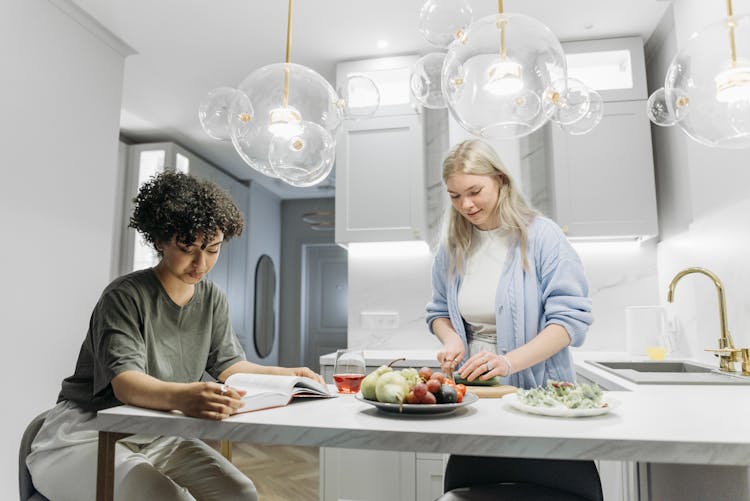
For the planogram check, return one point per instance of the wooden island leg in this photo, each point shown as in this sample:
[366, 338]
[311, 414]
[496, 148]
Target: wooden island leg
[105, 465]
[225, 447]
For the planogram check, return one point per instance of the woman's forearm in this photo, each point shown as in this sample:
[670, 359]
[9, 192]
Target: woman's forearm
[443, 329]
[549, 341]
[142, 390]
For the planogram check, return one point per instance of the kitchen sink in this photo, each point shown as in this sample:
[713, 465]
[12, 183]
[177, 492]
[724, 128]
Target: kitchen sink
[669, 372]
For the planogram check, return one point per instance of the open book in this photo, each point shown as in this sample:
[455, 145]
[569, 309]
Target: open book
[264, 391]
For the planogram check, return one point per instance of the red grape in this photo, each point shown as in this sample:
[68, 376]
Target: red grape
[419, 390]
[411, 398]
[425, 373]
[433, 386]
[429, 398]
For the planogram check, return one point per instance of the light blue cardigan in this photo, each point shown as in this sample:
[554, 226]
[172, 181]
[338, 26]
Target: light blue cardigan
[553, 291]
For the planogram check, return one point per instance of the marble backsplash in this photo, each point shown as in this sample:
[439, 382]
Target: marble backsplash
[619, 276]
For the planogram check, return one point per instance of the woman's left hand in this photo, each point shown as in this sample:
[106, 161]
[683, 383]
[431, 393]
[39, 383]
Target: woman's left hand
[305, 372]
[484, 366]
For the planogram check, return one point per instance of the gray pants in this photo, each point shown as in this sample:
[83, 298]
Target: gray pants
[64, 456]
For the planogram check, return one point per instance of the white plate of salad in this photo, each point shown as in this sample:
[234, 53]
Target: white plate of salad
[562, 399]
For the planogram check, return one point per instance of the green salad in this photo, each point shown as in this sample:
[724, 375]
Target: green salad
[556, 393]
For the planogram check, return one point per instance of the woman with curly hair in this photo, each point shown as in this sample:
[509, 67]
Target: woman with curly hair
[509, 292]
[151, 337]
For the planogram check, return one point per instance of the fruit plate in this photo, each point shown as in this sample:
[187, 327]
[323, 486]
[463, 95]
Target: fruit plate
[561, 410]
[469, 398]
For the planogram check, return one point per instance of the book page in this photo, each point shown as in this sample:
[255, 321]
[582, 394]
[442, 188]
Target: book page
[264, 390]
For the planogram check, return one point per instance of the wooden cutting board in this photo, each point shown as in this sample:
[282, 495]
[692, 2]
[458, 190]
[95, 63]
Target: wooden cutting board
[491, 391]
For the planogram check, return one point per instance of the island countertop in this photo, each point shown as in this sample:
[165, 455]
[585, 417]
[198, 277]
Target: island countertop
[652, 423]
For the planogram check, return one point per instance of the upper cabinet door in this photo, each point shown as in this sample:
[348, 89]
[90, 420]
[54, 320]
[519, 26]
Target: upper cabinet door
[380, 186]
[604, 180]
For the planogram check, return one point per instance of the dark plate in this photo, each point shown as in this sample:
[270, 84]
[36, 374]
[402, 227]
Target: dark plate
[469, 398]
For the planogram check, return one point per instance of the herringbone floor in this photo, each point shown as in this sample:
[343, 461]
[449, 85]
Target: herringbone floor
[280, 472]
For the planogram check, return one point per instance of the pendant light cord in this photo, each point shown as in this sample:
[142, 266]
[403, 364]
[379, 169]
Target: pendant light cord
[288, 52]
[732, 45]
[501, 26]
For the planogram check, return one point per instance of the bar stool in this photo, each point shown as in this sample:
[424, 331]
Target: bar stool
[479, 478]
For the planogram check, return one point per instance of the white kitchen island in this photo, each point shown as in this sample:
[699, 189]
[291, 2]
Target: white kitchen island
[660, 424]
[695, 411]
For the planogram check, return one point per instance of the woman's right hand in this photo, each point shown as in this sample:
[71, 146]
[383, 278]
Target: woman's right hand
[209, 400]
[451, 355]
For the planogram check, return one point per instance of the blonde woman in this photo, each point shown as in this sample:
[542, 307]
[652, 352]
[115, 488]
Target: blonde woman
[509, 292]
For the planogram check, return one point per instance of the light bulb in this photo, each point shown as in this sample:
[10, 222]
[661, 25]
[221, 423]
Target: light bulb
[733, 84]
[284, 122]
[504, 78]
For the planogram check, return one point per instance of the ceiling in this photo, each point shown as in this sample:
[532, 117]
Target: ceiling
[185, 48]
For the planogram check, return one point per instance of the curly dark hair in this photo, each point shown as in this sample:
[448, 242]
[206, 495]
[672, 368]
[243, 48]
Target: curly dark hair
[173, 204]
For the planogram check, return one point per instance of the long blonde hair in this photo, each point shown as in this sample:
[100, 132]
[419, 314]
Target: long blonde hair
[514, 214]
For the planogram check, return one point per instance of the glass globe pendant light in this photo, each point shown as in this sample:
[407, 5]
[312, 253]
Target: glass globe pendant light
[282, 119]
[707, 85]
[297, 114]
[495, 76]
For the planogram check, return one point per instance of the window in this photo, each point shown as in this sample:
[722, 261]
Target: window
[148, 163]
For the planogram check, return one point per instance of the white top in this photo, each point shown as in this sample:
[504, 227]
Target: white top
[476, 296]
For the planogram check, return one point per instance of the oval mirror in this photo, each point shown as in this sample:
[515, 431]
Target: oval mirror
[265, 314]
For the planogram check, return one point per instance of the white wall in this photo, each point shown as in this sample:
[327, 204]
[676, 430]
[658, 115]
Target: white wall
[60, 93]
[704, 203]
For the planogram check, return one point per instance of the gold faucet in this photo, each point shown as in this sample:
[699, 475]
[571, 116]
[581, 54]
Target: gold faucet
[727, 353]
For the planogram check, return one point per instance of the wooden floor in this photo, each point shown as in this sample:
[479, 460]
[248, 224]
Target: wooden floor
[279, 472]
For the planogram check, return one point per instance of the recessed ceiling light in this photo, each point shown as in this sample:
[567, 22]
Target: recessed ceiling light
[382, 44]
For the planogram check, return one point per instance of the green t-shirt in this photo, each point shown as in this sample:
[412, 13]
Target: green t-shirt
[136, 326]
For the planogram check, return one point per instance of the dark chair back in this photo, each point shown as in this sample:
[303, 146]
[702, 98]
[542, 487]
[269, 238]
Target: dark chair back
[579, 478]
[25, 485]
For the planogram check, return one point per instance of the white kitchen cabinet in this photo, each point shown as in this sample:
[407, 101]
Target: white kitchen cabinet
[604, 180]
[349, 474]
[380, 180]
[429, 475]
[598, 185]
[388, 166]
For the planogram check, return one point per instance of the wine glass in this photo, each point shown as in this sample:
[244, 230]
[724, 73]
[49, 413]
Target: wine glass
[349, 370]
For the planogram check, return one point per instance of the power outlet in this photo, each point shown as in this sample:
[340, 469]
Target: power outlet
[379, 319]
